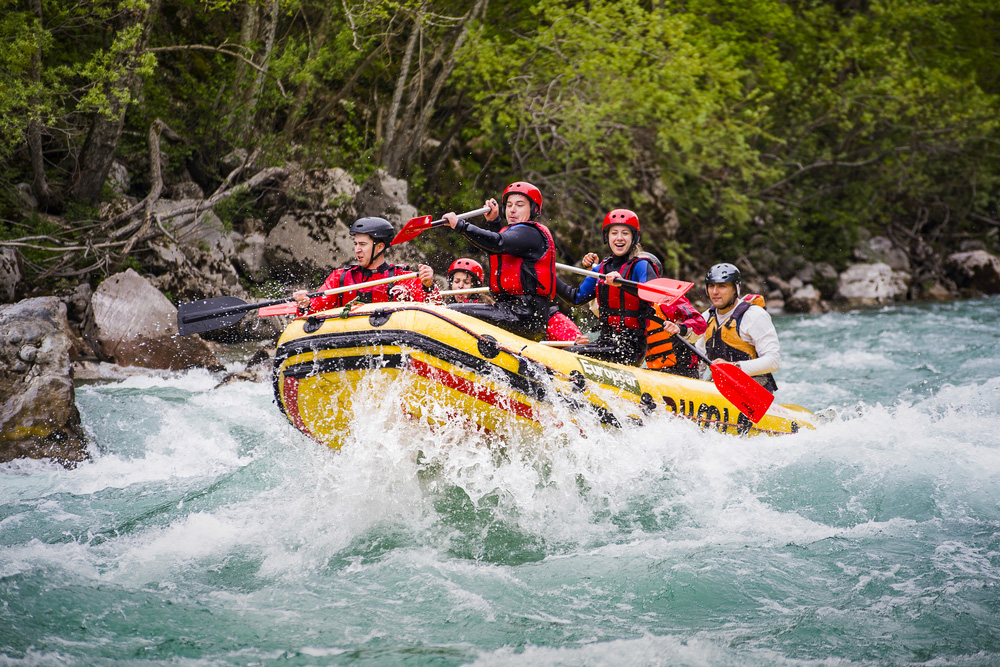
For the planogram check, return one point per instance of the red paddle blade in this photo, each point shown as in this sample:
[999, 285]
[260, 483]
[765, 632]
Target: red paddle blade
[742, 391]
[412, 229]
[290, 308]
[663, 290]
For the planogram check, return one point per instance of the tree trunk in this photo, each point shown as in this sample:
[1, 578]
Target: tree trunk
[106, 127]
[397, 97]
[262, 58]
[40, 183]
[419, 131]
[305, 87]
[409, 137]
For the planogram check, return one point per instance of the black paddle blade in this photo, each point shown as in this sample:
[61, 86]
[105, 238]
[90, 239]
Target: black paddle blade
[210, 314]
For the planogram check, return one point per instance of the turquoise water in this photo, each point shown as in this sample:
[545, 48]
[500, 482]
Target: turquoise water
[207, 531]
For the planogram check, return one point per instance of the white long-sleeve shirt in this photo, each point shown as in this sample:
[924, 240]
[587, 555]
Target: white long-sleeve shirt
[757, 329]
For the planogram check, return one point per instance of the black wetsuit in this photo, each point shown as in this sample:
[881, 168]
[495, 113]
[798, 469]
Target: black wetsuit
[524, 315]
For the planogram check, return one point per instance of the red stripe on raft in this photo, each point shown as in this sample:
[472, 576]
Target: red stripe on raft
[477, 391]
[290, 394]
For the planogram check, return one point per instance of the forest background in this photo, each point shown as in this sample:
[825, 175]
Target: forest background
[765, 132]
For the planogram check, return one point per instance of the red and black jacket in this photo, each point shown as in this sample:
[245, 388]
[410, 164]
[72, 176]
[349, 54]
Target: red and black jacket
[412, 289]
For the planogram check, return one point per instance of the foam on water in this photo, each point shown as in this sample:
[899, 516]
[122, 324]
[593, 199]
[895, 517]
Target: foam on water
[206, 530]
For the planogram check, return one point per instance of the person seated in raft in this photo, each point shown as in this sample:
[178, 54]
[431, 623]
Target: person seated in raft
[522, 262]
[371, 238]
[621, 312]
[465, 273]
[664, 352]
[738, 329]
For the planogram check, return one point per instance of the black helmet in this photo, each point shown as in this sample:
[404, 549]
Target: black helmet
[379, 229]
[723, 273]
[654, 260]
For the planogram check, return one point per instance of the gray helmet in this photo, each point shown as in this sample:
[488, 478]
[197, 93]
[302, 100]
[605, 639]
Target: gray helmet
[654, 260]
[379, 229]
[723, 273]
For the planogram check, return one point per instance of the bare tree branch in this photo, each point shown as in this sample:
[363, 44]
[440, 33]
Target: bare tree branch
[219, 49]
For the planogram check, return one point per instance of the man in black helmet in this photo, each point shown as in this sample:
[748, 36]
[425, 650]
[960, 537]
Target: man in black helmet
[739, 330]
[371, 238]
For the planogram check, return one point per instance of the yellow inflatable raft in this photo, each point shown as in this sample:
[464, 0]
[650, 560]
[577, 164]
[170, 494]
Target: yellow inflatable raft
[447, 366]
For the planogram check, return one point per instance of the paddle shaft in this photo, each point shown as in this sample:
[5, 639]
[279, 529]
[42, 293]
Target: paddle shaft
[461, 216]
[184, 317]
[417, 226]
[470, 290]
[594, 274]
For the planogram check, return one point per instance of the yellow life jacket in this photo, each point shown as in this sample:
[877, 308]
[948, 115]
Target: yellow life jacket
[724, 342]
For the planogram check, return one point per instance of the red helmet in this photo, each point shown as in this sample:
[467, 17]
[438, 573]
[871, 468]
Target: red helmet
[470, 266]
[622, 216]
[533, 194]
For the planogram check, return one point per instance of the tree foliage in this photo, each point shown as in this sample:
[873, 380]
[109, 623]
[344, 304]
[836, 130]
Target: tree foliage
[762, 131]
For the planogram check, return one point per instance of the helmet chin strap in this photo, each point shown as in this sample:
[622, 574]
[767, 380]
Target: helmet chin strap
[732, 302]
[375, 255]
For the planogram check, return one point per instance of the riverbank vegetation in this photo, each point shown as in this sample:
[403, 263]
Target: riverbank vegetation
[765, 132]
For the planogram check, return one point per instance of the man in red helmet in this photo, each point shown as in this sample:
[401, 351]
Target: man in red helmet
[622, 313]
[371, 238]
[522, 262]
[463, 274]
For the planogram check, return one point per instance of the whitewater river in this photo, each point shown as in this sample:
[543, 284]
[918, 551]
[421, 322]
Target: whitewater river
[207, 531]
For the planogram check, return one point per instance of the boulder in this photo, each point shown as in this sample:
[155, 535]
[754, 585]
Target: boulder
[871, 284]
[27, 195]
[935, 291]
[807, 299]
[976, 270]
[825, 279]
[879, 249]
[306, 245]
[385, 196]
[330, 190]
[131, 323]
[186, 190]
[10, 274]
[118, 180]
[311, 237]
[250, 259]
[197, 261]
[38, 413]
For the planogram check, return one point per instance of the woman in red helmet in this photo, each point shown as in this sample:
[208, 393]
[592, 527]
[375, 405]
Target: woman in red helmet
[622, 313]
[465, 273]
[522, 262]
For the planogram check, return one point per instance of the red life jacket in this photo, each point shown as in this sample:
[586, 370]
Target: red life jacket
[517, 276]
[620, 309]
[353, 275]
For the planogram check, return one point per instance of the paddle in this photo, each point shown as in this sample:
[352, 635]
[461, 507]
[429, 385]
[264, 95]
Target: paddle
[658, 290]
[739, 388]
[470, 290]
[225, 311]
[417, 226]
[293, 308]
